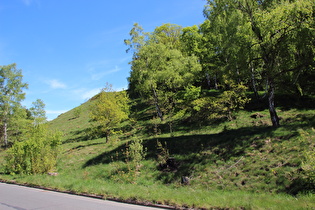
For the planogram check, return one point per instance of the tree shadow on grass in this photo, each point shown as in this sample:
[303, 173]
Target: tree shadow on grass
[191, 150]
[229, 144]
[83, 146]
[85, 135]
[285, 101]
[81, 135]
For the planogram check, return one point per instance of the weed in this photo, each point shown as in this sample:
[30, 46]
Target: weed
[163, 153]
[308, 164]
[134, 155]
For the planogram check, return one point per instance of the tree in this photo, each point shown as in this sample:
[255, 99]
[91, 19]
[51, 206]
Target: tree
[38, 112]
[11, 94]
[77, 112]
[167, 34]
[160, 69]
[109, 110]
[19, 122]
[277, 37]
[195, 43]
[137, 39]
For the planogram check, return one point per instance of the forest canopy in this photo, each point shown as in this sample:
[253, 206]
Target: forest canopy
[262, 47]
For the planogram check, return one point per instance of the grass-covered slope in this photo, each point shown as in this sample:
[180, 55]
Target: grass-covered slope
[241, 163]
[73, 124]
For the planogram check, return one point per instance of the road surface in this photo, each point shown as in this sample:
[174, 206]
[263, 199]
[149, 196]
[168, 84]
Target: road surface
[14, 197]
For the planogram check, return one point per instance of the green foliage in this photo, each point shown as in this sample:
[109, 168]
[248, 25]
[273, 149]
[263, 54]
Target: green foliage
[163, 69]
[77, 112]
[11, 94]
[163, 153]
[135, 153]
[19, 124]
[38, 112]
[109, 110]
[223, 106]
[263, 46]
[36, 155]
[134, 156]
[269, 42]
[232, 100]
[137, 40]
[192, 93]
[308, 164]
[160, 69]
[191, 39]
[167, 34]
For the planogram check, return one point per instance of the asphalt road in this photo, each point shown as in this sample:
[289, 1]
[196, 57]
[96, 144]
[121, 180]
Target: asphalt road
[25, 198]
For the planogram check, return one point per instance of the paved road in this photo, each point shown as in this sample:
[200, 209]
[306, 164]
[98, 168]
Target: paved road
[16, 197]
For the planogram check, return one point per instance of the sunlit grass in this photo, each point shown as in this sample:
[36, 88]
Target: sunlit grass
[242, 163]
[175, 196]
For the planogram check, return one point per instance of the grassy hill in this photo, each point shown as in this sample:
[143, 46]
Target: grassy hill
[244, 163]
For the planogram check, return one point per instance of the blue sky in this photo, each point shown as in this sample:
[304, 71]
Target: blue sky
[69, 49]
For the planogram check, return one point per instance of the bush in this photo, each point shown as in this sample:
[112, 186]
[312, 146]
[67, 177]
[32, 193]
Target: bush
[134, 155]
[163, 153]
[77, 112]
[35, 155]
[308, 164]
[223, 106]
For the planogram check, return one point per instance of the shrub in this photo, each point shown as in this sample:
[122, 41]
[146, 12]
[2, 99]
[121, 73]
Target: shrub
[163, 153]
[77, 112]
[308, 164]
[222, 106]
[135, 154]
[37, 154]
[129, 171]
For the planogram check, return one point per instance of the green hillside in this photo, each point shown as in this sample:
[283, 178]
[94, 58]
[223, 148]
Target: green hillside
[72, 124]
[219, 115]
[240, 163]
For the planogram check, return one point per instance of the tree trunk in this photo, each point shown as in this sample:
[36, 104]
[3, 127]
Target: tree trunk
[157, 106]
[208, 80]
[238, 74]
[271, 101]
[254, 81]
[107, 136]
[215, 82]
[5, 134]
[171, 128]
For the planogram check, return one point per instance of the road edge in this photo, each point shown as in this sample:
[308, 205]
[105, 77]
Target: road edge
[102, 197]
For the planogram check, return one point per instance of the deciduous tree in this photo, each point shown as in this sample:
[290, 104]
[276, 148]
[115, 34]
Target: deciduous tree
[11, 94]
[276, 36]
[109, 109]
[38, 112]
[160, 69]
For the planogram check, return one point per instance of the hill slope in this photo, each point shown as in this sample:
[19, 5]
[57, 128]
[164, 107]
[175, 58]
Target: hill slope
[191, 166]
[72, 123]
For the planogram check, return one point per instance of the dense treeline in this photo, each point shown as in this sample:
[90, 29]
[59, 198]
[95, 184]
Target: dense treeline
[243, 45]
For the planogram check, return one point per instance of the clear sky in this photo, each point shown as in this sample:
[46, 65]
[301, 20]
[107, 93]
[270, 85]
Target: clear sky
[69, 49]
